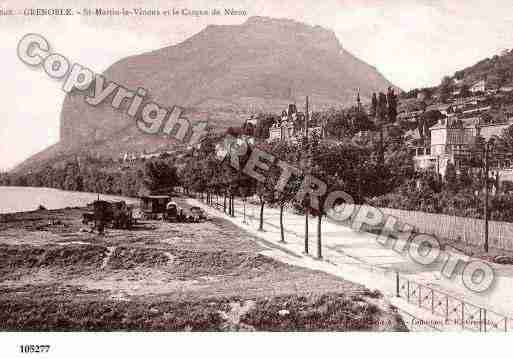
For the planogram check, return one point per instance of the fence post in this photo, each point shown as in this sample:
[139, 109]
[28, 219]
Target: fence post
[397, 284]
[480, 319]
[462, 315]
[484, 315]
[432, 301]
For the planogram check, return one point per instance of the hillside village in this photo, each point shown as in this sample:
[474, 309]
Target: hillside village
[443, 124]
[461, 119]
[418, 150]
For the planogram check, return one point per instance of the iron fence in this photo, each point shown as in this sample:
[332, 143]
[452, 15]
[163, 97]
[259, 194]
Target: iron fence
[454, 311]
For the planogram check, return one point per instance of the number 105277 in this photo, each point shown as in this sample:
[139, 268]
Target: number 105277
[26, 348]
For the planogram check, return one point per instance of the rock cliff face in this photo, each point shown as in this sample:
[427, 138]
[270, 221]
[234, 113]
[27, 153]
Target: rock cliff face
[224, 73]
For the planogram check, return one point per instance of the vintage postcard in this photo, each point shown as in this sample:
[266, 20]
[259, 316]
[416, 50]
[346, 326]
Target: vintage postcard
[254, 166]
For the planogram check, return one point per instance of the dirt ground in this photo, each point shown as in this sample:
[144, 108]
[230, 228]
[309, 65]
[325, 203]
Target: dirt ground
[56, 275]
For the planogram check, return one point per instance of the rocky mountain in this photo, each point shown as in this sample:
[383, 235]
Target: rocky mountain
[224, 73]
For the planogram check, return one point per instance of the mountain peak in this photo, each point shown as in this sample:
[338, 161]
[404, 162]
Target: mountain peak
[224, 73]
[256, 20]
[309, 35]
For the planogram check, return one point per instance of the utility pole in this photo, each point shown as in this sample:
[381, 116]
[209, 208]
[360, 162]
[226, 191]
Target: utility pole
[437, 167]
[486, 165]
[381, 146]
[306, 170]
[381, 115]
[244, 210]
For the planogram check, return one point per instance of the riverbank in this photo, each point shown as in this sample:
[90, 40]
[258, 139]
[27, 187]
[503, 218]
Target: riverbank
[167, 276]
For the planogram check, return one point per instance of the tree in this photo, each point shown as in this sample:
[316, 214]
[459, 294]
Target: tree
[445, 89]
[451, 179]
[73, 180]
[160, 176]
[265, 194]
[382, 110]
[459, 75]
[330, 178]
[429, 119]
[288, 153]
[374, 105]
[399, 166]
[264, 123]
[361, 122]
[505, 141]
[410, 94]
[381, 115]
[392, 105]
[465, 91]
[5, 179]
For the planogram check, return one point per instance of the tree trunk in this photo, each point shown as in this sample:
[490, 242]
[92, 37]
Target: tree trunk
[306, 230]
[261, 228]
[224, 202]
[282, 232]
[319, 226]
[244, 210]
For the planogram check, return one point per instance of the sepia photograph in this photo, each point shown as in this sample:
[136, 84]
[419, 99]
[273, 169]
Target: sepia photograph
[287, 168]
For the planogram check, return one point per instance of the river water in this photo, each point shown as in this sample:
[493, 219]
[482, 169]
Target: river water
[20, 199]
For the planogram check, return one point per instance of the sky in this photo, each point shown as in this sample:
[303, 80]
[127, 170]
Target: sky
[412, 43]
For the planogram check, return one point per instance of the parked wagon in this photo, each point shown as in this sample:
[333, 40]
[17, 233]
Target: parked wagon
[198, 214]
[172, 214]
[116, 214]
[154, 207]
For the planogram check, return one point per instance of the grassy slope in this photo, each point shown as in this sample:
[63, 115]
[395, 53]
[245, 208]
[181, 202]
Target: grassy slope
[163, 276]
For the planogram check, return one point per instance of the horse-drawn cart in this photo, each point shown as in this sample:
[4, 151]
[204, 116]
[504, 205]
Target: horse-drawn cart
[116, 214]
[154, 207]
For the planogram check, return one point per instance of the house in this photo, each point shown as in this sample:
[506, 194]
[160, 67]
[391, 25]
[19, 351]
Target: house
[283, 131]
[451, 135]
[479, 86]
[452, 138]
[290, 127]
